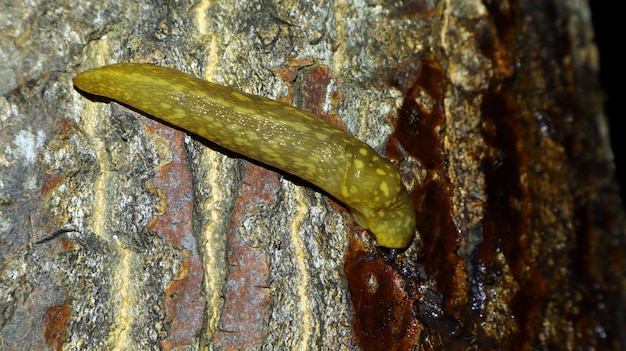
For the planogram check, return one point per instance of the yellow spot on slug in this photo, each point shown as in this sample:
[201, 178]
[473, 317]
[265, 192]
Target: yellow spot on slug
[384, 188]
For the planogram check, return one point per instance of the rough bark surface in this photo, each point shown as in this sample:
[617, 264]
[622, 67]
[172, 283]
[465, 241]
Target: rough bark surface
[120, 233]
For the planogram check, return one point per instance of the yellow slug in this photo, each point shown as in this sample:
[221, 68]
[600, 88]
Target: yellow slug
[271, 132]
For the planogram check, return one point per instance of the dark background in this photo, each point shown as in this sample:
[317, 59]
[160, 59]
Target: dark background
[609, 38]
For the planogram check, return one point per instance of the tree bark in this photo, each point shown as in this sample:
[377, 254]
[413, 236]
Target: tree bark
[120, 232]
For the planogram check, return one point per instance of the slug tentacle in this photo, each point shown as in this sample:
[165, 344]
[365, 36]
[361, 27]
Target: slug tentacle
[271, 132]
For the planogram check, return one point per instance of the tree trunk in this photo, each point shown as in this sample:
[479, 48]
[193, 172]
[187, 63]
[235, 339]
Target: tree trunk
[120, 232]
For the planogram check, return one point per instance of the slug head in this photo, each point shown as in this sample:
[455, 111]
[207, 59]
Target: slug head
[373, 190]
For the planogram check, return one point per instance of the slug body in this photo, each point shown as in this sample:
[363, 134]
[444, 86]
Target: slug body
[271, 132]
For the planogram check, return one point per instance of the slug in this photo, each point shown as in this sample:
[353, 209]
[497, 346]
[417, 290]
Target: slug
[271, 132]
